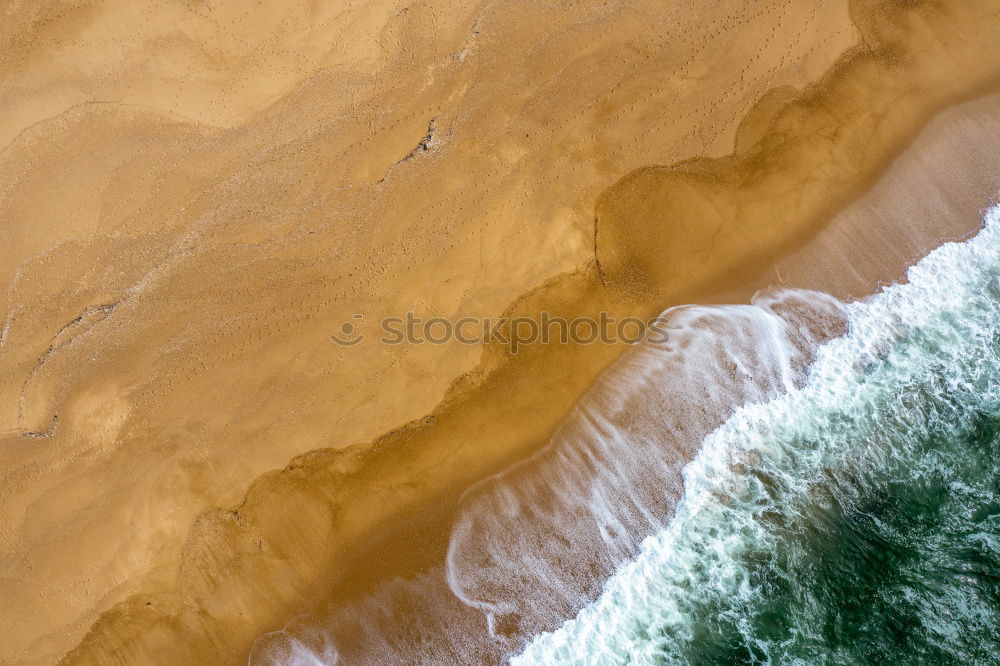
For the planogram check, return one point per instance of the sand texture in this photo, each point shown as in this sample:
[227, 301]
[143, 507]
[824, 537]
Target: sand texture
[194, 197]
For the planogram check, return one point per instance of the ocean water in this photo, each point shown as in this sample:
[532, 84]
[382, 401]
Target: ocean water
[792, 481]
[855, 519]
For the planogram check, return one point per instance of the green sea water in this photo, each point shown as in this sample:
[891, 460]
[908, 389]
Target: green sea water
[899, 564]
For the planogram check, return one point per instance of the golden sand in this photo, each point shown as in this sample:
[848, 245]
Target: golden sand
[196, 196]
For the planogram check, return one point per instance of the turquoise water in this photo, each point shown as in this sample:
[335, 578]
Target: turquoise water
[853, 520]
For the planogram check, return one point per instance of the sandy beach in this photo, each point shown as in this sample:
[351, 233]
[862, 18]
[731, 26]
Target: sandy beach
[914, 206]
[195, 198]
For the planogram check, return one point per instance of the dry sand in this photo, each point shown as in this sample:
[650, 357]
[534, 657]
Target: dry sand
[194, 197]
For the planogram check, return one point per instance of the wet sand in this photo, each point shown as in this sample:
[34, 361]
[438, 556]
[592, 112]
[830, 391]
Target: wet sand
[167, 313]
[935, 192]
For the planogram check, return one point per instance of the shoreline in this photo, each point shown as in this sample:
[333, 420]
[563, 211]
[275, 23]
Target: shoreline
[876, 243]
[297, 538]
